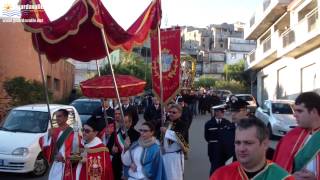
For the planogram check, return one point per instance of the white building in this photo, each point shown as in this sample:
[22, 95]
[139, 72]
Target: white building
[87, 70]
[286, 60]
[238, 48]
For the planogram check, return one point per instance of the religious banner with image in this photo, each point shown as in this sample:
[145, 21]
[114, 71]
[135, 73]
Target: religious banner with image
[170, 56]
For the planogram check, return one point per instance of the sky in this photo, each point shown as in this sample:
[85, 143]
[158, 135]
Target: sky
[198, 13]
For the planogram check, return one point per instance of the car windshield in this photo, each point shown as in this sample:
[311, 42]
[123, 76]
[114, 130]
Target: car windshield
[26, 121]
[86, 107]
[245, 98]
[281, 108]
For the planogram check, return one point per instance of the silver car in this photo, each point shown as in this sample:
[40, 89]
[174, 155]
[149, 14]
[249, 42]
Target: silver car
[277, 115]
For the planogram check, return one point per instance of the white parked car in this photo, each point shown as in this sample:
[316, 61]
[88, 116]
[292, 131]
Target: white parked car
[19, 137]
[277, 115]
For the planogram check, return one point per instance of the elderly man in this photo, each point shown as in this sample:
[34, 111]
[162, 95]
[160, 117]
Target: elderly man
[130, 109]
[174, 143]
[251, 144]
[153, 115]
[299, 151]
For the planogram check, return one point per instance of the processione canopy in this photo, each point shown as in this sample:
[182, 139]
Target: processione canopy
[103, 87]
[77, 34]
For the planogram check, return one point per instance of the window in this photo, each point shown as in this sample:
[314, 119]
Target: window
[233, 55]
[49, 83]
[56, 84]
[281, 108]
[308, 78]
[281, 83]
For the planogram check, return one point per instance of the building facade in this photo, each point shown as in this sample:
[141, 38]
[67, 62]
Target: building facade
[18, 58]
[215, 46]
[286, 60]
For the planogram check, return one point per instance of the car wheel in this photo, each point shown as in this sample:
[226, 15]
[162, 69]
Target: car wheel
[40, 166]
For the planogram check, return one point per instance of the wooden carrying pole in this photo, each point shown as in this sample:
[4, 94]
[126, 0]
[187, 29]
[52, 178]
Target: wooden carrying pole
[44, 82]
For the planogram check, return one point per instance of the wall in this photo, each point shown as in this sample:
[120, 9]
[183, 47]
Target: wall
[301, 74]
[18, 58]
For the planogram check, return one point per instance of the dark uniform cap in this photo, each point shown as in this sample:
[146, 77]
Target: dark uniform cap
[236, 103]
[97, 124]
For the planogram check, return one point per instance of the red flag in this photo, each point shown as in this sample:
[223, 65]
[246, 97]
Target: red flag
[170, 56]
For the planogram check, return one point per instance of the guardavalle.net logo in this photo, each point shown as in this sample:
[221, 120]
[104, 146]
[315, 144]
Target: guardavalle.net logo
[11, 12]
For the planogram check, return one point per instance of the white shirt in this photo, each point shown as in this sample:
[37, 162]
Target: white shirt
[135, 155]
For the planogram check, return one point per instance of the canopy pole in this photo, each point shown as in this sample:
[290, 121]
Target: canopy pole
[102, 99]
[98, 68]
[113, 76]
[161, 83]
[44, 82]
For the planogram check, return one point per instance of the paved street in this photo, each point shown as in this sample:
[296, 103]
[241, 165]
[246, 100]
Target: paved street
[196, 167]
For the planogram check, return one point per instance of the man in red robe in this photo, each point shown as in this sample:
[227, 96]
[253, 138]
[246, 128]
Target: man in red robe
[58, 145]
[95, 163]
[251, 144]
[299, 151]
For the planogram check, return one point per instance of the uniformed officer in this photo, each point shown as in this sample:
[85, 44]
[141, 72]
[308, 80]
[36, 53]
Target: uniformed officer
[219, 133]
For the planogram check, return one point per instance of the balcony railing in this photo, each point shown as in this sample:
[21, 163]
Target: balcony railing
[312, 18]
[266, 4]
[288, 38]
[252, 56]
[266, 44]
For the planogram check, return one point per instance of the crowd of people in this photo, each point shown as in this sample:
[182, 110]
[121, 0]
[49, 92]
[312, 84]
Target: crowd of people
[111, 147]
[199, 102]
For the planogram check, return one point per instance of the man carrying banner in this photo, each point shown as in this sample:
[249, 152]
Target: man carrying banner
[299, 151]
[58, 146]
[95, 162]
[251, 143]
[174, 143]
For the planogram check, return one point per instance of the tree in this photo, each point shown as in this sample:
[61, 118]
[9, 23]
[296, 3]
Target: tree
[234, 86]
[236, 72]
[131, 64]
[24, 91]
[205, 81]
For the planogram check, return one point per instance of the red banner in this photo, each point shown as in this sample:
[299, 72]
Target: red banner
[170, 56]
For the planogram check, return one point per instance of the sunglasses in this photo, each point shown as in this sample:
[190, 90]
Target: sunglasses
[86, 130]
[144, 130]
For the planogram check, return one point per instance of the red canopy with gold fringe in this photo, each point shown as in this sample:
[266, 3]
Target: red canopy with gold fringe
[102, 87]
[77, 34]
